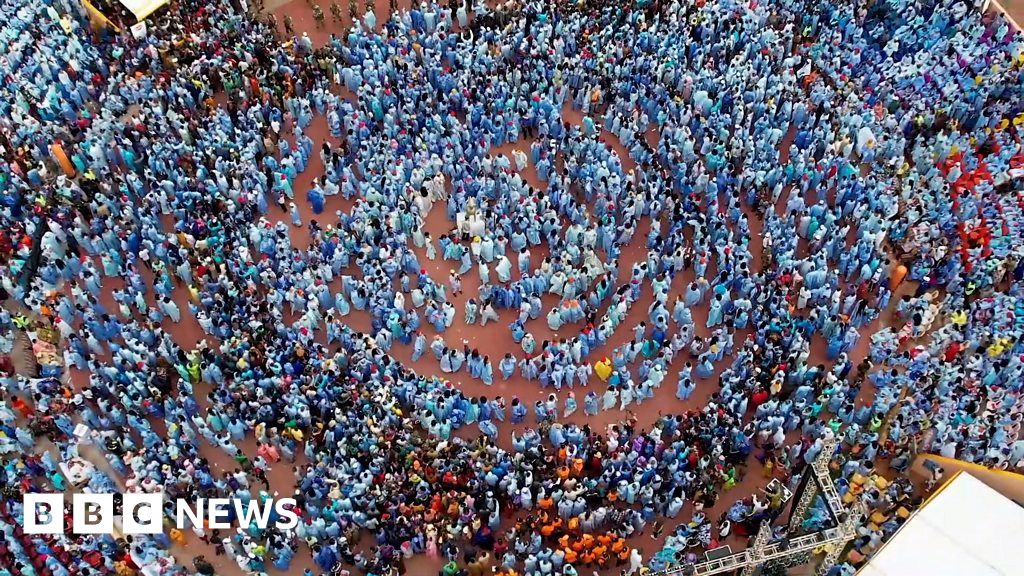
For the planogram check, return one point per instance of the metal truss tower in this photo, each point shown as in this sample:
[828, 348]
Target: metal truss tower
[793, 550]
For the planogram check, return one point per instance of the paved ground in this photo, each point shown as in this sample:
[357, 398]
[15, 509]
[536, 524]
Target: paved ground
[1014, 9]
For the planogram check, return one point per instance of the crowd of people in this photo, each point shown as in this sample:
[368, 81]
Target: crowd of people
[804, 219]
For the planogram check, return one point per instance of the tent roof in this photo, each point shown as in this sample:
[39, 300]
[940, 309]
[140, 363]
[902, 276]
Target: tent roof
[142, 8]
[965, 528]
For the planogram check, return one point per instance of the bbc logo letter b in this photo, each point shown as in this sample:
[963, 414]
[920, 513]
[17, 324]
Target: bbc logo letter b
[44, 513]
[93, 514]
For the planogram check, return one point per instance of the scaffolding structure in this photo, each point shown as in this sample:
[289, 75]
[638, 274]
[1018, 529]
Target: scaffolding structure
[833, 540]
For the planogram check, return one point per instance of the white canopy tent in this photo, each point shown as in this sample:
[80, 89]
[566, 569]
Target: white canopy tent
[966, 529]
[142, 8]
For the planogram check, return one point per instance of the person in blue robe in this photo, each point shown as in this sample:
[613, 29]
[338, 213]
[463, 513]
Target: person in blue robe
[316, 199]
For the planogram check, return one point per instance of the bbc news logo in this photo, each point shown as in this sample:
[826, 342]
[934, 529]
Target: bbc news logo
[144, 513]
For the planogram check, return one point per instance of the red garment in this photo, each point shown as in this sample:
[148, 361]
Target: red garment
[952, 352]
[863, 290]
[758, 398]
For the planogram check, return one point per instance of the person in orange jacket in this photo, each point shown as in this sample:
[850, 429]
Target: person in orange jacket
[22, 407]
